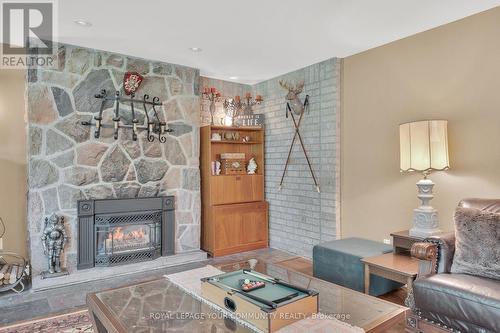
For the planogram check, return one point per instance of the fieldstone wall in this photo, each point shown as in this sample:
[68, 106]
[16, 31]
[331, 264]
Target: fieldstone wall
[299, 217]
[66, 163]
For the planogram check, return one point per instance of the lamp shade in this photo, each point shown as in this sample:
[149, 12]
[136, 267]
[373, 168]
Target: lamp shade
[424, 145]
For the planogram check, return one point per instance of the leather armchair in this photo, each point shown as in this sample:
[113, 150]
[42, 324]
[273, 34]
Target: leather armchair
[444, 301]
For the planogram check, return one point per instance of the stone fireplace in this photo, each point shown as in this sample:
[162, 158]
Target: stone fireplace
[68, 164]
[122, 231]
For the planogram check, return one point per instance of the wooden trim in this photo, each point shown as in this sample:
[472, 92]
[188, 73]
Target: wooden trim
[389, 320]
[236, 142]
[205, 172]
[241, 248]
[234, 128]
[105, 316]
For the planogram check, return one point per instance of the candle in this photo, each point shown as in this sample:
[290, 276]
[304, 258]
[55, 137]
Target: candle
[213, 90]
[248, 95]
[258, 98]
[237, 98]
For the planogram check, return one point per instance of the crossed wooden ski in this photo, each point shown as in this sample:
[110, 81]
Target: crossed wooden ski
[297, 135]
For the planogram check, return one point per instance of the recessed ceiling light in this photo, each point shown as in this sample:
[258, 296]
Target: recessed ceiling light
[83, 23]
[195, 49]
[233, 78]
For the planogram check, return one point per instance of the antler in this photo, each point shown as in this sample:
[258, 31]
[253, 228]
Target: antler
[299, 87]
[285, 85]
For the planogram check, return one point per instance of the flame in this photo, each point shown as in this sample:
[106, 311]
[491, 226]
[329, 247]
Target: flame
[118, 234]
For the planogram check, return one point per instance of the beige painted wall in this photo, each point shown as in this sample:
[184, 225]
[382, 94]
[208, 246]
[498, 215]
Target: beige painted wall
[451, 72]
[13, 160]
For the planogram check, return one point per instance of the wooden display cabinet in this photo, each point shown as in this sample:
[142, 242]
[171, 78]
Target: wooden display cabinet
[234, 213]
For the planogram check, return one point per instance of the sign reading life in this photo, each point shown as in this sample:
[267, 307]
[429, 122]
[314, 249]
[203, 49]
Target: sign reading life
[250, 120]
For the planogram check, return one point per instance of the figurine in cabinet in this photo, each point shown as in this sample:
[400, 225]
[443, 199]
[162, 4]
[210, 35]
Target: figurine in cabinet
[217, 168]
[252, 166]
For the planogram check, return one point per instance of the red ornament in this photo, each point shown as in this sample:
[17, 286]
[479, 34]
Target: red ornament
[131, 82]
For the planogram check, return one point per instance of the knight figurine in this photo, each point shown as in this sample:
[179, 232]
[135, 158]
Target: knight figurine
[54, 238]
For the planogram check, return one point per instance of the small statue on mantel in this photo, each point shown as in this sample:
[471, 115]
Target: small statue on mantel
[54, 238]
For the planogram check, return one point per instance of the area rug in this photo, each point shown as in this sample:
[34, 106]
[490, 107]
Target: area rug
[189, 281]
[74, 322]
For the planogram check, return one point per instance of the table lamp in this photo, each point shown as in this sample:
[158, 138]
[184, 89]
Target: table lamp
[424, 148]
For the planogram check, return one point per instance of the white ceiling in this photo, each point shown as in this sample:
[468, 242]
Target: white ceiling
[253, 40]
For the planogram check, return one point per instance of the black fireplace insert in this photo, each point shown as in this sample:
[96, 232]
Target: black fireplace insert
[120, 231]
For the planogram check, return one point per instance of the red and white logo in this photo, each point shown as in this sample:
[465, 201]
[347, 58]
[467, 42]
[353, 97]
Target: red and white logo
[131, 82]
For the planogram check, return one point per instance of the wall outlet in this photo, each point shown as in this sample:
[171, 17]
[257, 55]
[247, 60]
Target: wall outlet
[387, 241]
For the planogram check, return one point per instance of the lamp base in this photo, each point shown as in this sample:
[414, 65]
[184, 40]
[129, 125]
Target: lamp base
[420, 228]
[423, 234]
[425, 217]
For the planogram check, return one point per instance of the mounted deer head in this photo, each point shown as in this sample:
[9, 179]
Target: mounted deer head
[293, 95]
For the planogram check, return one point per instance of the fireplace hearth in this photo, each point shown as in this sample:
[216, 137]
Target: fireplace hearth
[121, 231]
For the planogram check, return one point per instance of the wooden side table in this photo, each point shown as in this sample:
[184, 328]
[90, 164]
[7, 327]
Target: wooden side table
[402, 242]
[396, 267]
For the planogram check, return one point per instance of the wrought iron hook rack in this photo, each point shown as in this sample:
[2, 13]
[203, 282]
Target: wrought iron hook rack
[154, 126]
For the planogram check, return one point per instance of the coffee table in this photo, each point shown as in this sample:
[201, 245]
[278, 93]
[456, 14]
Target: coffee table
[159, 306]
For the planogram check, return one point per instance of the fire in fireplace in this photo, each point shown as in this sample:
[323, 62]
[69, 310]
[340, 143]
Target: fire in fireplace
[126, 238]
[118, 231]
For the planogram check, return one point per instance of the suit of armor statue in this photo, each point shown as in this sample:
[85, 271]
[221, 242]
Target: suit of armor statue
[53, 239]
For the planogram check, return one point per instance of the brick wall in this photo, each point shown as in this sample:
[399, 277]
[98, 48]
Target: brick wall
[299, 216]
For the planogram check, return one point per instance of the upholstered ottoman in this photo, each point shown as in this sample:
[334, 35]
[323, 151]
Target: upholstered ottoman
[339, 262]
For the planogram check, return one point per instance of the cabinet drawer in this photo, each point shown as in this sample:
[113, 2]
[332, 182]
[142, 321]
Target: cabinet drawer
[236, 188]
[240, 225]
